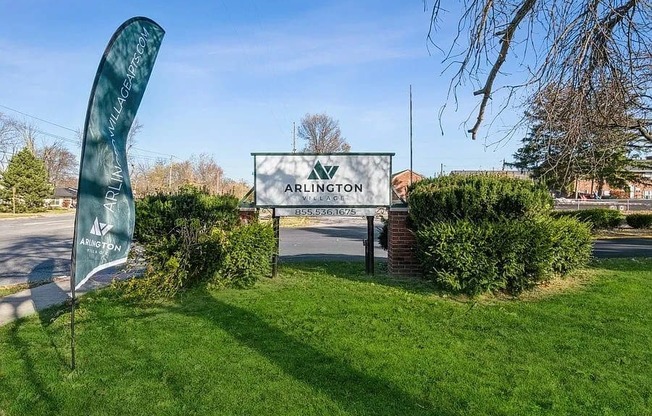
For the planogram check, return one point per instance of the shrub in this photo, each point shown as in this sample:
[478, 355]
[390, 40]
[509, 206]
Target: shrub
[597, 218]
[571, 244]
[383, 235]
[191, 237]
[245, 256]
[166, 222]
[456, 257]
[639, 220]
[476, 198]
[511, 255]
[157, 215]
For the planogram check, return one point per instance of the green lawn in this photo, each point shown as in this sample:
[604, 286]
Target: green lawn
[324, 339]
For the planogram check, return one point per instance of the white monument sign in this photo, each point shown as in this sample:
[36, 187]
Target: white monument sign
[344, 180]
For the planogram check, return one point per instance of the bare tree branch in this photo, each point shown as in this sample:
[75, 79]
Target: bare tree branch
[588, 46]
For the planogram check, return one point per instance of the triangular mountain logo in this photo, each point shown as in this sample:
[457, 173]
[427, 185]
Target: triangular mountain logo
[99, 228]
[322, 172]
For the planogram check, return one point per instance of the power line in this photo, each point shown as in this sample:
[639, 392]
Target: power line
[66, 139]
[156, 153]
[56, 136]
[39, 119]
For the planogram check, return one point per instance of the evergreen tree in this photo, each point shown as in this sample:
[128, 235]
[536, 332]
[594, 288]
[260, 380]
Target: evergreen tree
[562, 147]
[28, 176]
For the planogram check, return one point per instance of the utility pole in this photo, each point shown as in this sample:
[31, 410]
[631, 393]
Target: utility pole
[170, 176]
[441, 169]
[14, 198]
[411, 171]
[294, 137]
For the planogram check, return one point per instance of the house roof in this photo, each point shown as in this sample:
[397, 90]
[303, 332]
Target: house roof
[407, 171]
[65, 193]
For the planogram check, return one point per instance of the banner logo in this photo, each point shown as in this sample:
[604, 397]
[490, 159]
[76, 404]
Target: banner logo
[99, 228]
[322, 172]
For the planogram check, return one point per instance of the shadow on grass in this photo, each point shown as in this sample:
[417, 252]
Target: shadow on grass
[46, 403]
[352, 389]
[355, 272]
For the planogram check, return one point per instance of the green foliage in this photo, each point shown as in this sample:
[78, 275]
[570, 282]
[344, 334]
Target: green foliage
[191, 237]
[485, 233]
[639, 220]
[383, 234]
[475, 198]
[157, 215]
[597, 218]
[327, 339]
[572, 244]
[556, 157]
[27, 175]
[245, 255]
[509, 255]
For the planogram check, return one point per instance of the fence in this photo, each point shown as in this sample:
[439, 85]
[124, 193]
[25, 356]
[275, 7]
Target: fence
[625, 205]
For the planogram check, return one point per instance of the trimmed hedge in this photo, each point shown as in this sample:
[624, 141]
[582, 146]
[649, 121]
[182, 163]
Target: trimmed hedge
[486, 233]
[476, 198]
[639, 220]
[509, 255]
[597, 218]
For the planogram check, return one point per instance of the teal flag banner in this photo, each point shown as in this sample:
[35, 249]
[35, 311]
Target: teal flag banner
[105, 218]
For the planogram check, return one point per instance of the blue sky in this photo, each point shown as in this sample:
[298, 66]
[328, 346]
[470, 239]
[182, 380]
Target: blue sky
[232, 77]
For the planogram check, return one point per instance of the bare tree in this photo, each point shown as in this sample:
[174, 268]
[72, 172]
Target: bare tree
[60, 163]
[322, 134]
[207, 173]
[157, 178]
[592, 47]
[236, 188]
[27, 133]
[8, 140]
[563, 145]
[136, 128]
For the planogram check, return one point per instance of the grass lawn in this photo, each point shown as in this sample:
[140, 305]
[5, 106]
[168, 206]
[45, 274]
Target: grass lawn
[324, 339]
[10, 290]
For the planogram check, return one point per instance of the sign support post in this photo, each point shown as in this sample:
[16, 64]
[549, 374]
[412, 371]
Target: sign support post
[369, 249]
[276, 224]
[323, 184]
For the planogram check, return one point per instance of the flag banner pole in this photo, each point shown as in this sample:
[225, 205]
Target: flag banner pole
[72, 326]
[105, 214]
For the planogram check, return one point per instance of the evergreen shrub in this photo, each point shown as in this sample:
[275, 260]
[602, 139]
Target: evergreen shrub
[245, 255]
[476, 198]
[383, 234]
[191, 237]
[485, 233]
[597, 218]
[639, 220]
[506, 255]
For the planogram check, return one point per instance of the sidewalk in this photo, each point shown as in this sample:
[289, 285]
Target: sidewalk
[57, 292]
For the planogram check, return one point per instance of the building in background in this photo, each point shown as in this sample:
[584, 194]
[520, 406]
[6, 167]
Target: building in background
[400, 183]
[63, 198]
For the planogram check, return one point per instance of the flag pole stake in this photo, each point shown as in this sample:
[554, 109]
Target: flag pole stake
[72, 324]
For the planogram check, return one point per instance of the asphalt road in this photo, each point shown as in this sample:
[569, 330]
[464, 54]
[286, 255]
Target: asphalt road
[623, 248]
[340, 240]
[37, 249]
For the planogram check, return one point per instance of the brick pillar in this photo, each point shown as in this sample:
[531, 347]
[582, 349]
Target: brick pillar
[401, 250]
[248, 215]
